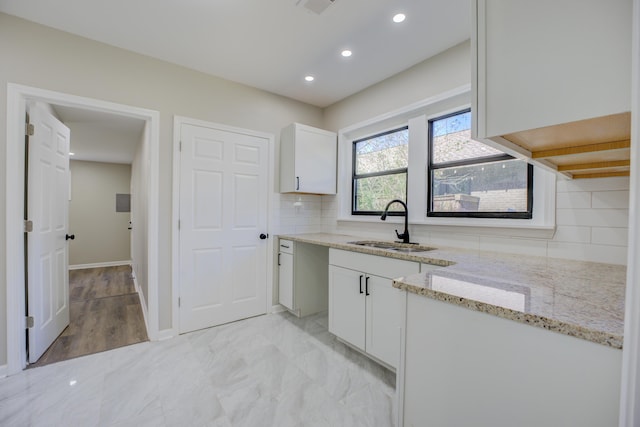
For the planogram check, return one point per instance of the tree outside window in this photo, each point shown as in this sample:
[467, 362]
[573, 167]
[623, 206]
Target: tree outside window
[379, 171]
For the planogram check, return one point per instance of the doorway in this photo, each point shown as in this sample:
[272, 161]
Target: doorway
[18, 96]
[104, 314]
[101, 298]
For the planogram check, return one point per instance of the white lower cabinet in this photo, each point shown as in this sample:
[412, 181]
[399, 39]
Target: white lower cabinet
[467, 368]
[364, 308]
[302, 277]
[385, 305]
[285, 278]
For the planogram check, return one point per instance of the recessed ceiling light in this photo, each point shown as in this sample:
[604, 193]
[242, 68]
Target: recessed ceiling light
[346, 53]
[399, 17]
[309, 78]
[72, 154]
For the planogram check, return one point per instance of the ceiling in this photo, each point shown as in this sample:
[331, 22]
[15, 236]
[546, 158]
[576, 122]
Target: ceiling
[101, 137]
[267, 44]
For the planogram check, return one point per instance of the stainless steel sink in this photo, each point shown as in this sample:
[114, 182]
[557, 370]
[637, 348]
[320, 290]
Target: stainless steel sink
[413, 249]
[393, 246]
[379, 245]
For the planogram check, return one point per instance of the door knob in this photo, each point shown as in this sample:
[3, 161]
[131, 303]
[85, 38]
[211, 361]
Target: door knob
[263, 236]
[69, 236]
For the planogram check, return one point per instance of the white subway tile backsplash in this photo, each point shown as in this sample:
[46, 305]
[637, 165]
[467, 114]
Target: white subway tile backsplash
[285, 229]
[609, 236]
[592, 184]
[593, 217]
[462, 241]
[575, 234]
[610, 199]
[573, 200]
[514, 246]
[593, 253]
[307, 229]
[291, 218]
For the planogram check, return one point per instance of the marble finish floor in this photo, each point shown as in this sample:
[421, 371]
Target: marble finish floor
[272, 370]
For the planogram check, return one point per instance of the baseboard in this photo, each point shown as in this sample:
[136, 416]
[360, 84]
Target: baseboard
[166, 334]
[99, 264]
[3, 371]
[277, 308]
[143, 304]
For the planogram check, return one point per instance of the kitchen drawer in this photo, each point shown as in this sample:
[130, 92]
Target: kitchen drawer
[286, 246]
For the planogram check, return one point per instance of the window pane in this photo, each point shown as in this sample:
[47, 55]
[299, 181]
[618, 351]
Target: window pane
[373, 193]
[487, 187]
[452, 141]
[381, 153]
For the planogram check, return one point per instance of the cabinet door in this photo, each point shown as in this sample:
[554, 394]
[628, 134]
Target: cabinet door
[285, 280]
[347, 305]
[384, 319]
[546, 62]
[315, 160]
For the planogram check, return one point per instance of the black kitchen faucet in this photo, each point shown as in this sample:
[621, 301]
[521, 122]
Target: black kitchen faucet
[404, 236]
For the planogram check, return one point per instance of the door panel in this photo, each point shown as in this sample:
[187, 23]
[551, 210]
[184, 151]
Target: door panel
[384, 320]
[245, 280]
[347, 305]
[285, 280]
[315, 155]
[246, 209]
[206, 263]
[47, 250]
[223, 210]
[207, 211]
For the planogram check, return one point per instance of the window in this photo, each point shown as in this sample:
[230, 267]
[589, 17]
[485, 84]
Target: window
[467, 178]
[379, 171]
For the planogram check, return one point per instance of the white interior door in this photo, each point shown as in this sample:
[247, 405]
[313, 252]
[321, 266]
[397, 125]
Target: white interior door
[223, 212]
[47, 251]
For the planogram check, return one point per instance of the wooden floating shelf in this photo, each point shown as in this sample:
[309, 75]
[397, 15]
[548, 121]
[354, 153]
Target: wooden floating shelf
[592, 148]
[594, 165]
[581, 149]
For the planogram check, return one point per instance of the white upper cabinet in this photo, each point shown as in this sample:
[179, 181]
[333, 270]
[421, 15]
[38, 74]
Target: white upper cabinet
[552, 78]
[308, 159]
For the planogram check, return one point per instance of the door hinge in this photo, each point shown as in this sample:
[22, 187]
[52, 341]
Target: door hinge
[180, 146]
[29, 321]
[178, 301]
[28, 226]
[28, 129]
[178, 224]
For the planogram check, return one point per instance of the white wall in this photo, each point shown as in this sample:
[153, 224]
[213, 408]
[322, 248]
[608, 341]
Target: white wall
[591, 214]
[450, 69]
[101, 233]
[139, 211]
[41, 57]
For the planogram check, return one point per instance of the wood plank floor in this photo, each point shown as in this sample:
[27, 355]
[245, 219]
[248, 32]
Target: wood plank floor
[105, 313]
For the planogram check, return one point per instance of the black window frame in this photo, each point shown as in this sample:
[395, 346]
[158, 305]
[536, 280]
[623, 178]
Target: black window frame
[431, 168]
[355, 176]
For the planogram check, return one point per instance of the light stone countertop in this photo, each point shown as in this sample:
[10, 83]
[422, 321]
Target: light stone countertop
[580, 299]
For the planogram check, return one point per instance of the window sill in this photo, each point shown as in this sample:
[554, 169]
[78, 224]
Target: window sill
[483, 225]
[487, 222]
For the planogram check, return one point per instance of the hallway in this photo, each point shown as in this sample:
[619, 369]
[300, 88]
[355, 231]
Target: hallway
[105, 313]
